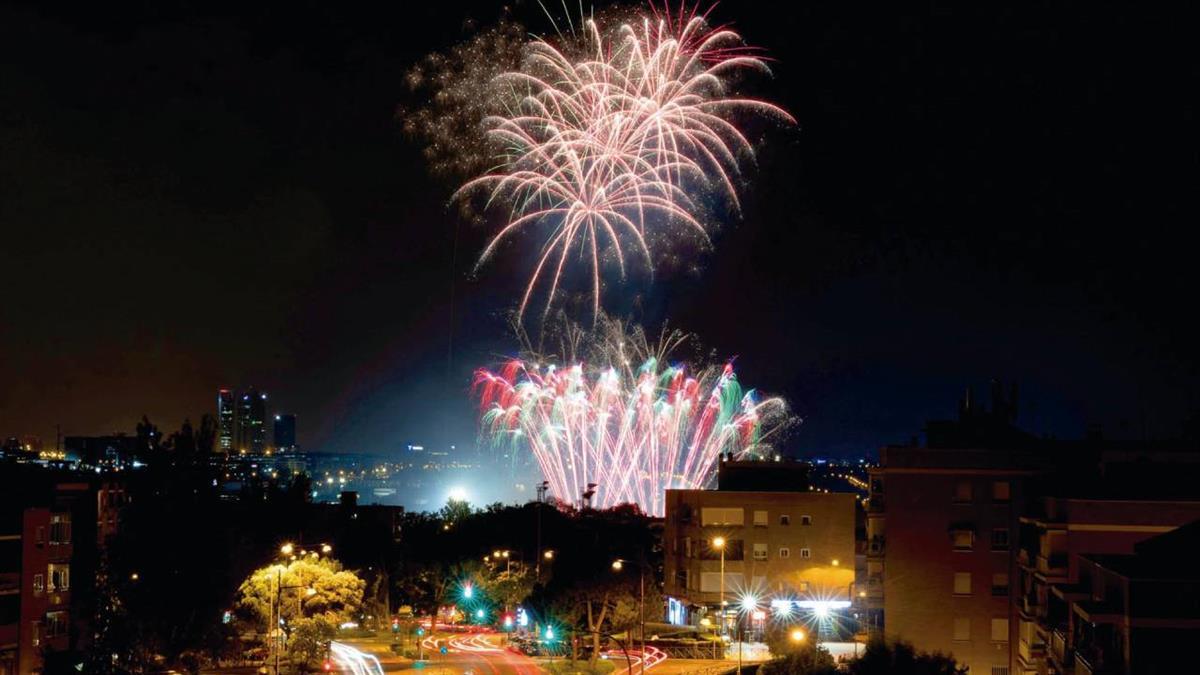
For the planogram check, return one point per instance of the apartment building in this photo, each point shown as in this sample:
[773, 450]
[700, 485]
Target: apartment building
[1055, 534]
[779, 547]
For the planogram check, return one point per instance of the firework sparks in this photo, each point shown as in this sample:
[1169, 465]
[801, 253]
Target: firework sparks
[635, 425]
[607, 140]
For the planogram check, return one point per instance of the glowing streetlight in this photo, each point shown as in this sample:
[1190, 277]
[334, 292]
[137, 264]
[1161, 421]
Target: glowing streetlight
[287, 549]
[326, 549]
[797, 635]
[548, 555]
[618, 565]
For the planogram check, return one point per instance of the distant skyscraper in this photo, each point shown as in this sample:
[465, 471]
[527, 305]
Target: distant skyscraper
[251, 423]
[226, 415]
[285, 432]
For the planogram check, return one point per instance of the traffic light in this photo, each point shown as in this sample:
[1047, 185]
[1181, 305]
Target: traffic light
[327, 666]
[420, 631]
[395, 625]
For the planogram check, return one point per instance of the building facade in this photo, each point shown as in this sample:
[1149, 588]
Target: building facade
[226, 421]
[779, 548]
[251, 422]
[941, 531]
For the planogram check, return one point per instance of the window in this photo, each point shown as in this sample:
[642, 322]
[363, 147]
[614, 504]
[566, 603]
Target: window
[962, 628]
[60, 578]
[785, 552]
[760, 518]
[1000, 491]
[40, 536]
[962, 583]
[35, 633]
[962, 492]
[760, 551]
[1000, 630]
[687, 547]
[964, 540]
[710, 582]
[39, 583]
[785, 519]
[1000, 584]
[806, 520]
[1000, 539]
[60, 528]
[999, 670]
[722, 516]
[56, 624]
[805, 553]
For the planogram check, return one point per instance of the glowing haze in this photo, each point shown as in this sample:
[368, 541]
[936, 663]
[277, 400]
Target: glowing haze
[626, 419]
[609, 140]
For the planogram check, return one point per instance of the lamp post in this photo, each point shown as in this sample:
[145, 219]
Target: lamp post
[719, 544]
[617, 566]
[288, 551]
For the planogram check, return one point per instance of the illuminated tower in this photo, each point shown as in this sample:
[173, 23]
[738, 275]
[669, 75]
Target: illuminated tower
[251, 423]
[225, 420]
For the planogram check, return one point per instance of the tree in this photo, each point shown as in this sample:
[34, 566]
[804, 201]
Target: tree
[800, 659]
[305, 587]
[455, 510]
[206, 434]
[507, 588]
[901, 658]
[309, 641]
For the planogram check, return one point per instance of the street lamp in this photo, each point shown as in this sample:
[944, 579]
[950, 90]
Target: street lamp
[719, 544]
[619, 565]
[797, 635]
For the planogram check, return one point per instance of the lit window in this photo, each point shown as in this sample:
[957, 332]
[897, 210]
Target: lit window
[785, 552]
[60, 578]
[805, 553]
[1000, 584]
[1000, 491]
[964, 540]
[760, 518]
[1000, 630]
[56, 624]
[39, 583]
[722, 516]
[962, 628]
[962, 583]
[760, 551]
[962, 492]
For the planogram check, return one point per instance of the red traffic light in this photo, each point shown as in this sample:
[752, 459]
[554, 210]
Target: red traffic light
[328, 665]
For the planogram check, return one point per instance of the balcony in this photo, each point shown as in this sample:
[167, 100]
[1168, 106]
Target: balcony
[875, 546]
[1093, 661]
[1031, 653]
[1059, 652]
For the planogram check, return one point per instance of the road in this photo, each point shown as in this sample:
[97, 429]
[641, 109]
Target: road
[466, 654]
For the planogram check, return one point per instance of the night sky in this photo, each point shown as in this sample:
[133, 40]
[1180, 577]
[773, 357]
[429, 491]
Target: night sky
[206, 194]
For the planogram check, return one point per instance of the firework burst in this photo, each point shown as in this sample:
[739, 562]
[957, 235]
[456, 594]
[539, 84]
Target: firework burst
[609, 137]
[628, 421]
